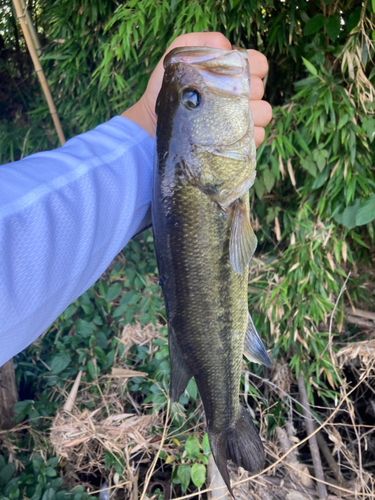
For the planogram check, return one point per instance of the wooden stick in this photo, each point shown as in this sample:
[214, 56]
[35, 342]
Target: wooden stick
[8, 395]
[328, 456]
[360, 313]
[215, 480]
[310, 428]
[38, 68]
[355, 320]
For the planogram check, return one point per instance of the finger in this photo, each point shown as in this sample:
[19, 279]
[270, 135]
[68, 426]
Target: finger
[259, 134]
[215, 40]
[256, 88]
[262, 113]
[258, 63]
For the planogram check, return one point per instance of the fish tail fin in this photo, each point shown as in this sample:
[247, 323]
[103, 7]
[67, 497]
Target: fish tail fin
[241, 444]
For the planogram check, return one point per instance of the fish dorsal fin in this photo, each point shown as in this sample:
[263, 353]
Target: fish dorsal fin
[254, 349]
[180, 373]
[243, 242]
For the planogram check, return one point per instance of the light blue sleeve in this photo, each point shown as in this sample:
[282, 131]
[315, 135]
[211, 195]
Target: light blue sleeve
[64, 215]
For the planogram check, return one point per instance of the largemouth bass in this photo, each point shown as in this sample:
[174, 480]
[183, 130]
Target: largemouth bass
[205, 165]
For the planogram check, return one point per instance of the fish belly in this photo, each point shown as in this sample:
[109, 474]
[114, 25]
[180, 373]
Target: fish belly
[206, 300]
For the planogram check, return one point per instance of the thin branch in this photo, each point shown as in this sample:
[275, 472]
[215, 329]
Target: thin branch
[151, 470]
[300, 443]
[39, 70]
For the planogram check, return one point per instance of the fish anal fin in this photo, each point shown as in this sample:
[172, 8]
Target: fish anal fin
[254, 349]
[180, 373]
[239, 443]
[243, 242]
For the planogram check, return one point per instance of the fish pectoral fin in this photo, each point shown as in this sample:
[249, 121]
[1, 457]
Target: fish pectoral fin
[180, 373]
[254, 349]
[239, 443]
[243, 242]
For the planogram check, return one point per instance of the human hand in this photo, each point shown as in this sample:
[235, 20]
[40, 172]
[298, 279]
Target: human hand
[143, 112]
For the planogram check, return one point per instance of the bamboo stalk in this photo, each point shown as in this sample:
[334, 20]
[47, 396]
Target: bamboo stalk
[215, 480]
[38, 68]
[33, 32]
[310, 429]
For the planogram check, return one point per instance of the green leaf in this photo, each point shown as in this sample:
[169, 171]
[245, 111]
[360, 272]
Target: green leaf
[314, 24]
[368, 123]
[22, 408]
[320, 179]
[301, 141]
[269, 179]
[333, 27]
[349, 215]
[366, 213]
[84, 328]
[69, 311]
[198, 474]
[92, 370]
[49, 494]
[110, 357]
[310, 67]
[113, 292]
[259, 188]
[184, 474]
[100, 355]
[192, 447]
[14, 494]
[60, 362]
[192, 389]
[50, 472]
[101, 340]
[7, 472]
[310, 166]
[206, 444]
[353, 19]
[53, 462]
[11, 486]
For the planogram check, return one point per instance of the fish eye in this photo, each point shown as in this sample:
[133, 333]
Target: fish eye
[190, 98]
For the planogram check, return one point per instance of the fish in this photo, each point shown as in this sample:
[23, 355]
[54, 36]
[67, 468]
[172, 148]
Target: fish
[205, 162]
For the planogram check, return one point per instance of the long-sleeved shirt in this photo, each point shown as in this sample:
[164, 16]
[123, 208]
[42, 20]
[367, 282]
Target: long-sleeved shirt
[64, 215]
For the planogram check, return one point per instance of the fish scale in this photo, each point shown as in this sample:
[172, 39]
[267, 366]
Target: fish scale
[204, 240]
[207, 299]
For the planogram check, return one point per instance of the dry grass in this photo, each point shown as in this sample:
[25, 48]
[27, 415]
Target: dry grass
[81, 436]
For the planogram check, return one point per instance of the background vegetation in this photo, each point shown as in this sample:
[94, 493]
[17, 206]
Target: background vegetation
[313, 208]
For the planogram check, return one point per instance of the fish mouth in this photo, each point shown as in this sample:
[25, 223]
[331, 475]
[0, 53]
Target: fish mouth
[218, 60]
[225, 72]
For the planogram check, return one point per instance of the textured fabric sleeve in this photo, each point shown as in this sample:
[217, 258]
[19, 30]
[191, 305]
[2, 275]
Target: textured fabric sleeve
[64, 215]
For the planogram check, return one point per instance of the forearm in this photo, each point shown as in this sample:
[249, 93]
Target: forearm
[64, 215]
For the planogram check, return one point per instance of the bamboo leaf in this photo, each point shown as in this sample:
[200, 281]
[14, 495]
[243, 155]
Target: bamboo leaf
[310, 67]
